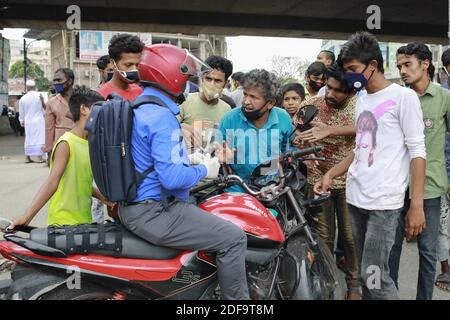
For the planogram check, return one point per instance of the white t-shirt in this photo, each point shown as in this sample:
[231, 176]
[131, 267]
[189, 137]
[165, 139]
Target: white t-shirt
[389, 134]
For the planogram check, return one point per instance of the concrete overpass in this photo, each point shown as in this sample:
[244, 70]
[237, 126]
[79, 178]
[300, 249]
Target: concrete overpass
[401, 20]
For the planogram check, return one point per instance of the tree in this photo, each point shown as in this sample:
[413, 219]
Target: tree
[289, 69]
[33, 72]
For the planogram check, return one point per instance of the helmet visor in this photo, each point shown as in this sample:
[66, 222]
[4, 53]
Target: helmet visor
[193, 66]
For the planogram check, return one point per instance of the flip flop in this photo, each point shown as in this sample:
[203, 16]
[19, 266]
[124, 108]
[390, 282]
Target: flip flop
[443, 278]
[355, 293]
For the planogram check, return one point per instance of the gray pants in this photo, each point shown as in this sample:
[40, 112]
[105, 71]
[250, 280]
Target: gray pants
[185, 226]
[374, 235]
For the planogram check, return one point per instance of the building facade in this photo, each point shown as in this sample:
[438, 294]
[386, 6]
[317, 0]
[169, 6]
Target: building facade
[79, 50]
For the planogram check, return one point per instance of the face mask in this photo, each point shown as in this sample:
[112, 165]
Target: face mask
[109, 75]
[128, 76]
[59, 87]
[315, 86]
[254, 115]
[211, 91]
[357, 81]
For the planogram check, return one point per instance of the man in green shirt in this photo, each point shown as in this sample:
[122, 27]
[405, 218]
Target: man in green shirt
[203, 110]
[414, 62]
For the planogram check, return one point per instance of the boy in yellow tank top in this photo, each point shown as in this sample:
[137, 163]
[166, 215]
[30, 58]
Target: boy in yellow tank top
[69, 185]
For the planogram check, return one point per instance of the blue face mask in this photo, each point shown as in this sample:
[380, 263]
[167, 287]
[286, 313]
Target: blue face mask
[356, 80]
[59, 87]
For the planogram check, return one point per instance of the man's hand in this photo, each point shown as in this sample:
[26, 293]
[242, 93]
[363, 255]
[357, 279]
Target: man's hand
[22, 220]
[414, 222]
[323, 185]
[225, 154]
[113, 211]
[212, 166]
[311, 163]
[191, 137]
[318, 132]
[196, 158]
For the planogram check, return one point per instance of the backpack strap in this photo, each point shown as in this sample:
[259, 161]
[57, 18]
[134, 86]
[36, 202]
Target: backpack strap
[136, 103]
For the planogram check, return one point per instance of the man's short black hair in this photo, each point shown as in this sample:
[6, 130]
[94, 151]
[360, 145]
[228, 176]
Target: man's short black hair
[124, 43]
[67, 72]
[238, 76]
[102, 62]
[362, 46]
[297, 87]
[82, 95]
[220, 63]
[421, 52]
[446, 58]
[336, 72]
[330, 55]
[316, 69]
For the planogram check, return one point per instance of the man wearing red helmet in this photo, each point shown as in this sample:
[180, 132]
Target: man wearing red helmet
[125, 52]
[160, 213]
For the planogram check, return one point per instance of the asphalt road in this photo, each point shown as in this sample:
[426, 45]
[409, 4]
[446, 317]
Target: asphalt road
[19, 183]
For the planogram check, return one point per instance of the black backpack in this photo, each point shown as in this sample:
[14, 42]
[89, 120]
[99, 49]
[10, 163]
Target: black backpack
[109, 126]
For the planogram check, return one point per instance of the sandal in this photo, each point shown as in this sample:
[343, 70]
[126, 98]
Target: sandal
[443, 282]
[354, 293]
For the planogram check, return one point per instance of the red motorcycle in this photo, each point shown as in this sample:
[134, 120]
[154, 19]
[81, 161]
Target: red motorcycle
[284, 259]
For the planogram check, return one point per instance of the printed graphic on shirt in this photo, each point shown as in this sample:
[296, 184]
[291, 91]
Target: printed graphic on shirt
[366, 133]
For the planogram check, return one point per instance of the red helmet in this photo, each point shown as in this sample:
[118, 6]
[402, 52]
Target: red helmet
[168, 67]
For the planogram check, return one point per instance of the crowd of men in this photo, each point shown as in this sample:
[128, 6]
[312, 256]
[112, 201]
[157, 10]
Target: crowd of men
[384, 144]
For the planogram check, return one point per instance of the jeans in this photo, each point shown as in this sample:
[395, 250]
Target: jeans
[336, 206]
[374, 235]
[427, 243]
[442, 250]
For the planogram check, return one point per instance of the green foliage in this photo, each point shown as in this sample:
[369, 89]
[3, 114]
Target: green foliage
[33, 70]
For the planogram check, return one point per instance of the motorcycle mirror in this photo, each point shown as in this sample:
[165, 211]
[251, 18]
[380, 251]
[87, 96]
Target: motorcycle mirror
[304, 116]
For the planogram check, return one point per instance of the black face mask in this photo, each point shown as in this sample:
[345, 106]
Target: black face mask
[131, 76]
[254, 115]
[314, 86]
[109, 75]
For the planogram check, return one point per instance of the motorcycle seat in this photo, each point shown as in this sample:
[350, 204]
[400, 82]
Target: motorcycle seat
[131, 245]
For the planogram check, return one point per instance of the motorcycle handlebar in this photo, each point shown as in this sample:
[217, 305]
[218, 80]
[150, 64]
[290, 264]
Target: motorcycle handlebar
[227, 178]
[205, 186]
[307, 151]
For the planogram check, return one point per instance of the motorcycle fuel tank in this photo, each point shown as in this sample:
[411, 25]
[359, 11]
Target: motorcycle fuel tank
[246, 212]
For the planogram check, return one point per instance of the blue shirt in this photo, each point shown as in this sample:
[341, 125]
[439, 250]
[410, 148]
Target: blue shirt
[156, 141]
[254, 146]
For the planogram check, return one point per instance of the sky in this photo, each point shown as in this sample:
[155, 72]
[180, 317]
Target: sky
[246, 52]
[256, 52]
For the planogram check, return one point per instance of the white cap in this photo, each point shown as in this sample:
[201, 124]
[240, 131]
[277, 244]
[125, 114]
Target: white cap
[31, 83]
